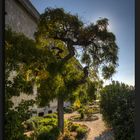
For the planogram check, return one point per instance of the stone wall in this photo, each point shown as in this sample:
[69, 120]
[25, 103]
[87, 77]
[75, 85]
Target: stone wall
[19, 19]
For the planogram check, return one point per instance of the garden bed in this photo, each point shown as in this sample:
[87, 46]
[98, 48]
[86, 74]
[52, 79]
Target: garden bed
[74, 131]
[43, 128]
[78, 118]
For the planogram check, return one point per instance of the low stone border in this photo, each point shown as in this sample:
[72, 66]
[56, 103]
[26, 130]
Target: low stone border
[77, 118]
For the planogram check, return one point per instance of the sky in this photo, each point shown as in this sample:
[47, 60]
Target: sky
[121, 22]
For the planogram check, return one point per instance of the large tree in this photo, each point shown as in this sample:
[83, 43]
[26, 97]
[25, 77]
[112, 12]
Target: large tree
[96, 41]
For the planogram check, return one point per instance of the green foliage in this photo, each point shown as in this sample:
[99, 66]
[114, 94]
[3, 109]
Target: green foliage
[91, 90]
[67, 136]
[32, 123]
[31, 64]
[44, 127]
[80, 129]
[55, 22]
[63, 84]
[84, 94]
[81, 112]
[87, 113]
[52, 115]
[59, 32]
[98, 44]
[48, 121]
[81, 132]
[68, 109]
[17, 49]
[14, 128]
[117, 106]
[73, 127]
[48, 132]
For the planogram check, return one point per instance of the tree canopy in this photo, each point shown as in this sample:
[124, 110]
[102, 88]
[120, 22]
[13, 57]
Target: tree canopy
[98, 44]
[60, 32]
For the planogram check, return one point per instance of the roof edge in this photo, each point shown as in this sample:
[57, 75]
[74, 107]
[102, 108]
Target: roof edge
[29, 8]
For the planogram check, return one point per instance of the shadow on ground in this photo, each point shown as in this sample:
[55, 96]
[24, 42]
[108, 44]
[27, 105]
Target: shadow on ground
[106, 135]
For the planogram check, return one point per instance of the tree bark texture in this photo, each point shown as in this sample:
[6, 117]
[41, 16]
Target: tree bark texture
[60, 114]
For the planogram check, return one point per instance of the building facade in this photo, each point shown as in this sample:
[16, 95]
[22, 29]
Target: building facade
[22, 17]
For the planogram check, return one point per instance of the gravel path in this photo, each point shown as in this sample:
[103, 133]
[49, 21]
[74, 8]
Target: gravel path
[98, 130]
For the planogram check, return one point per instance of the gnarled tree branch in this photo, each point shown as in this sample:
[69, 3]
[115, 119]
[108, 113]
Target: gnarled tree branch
[71, 53]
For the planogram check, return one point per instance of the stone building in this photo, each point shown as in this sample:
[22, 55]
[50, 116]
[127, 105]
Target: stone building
[21, 16]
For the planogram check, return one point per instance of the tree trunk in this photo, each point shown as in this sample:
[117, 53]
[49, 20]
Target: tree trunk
[60, 114]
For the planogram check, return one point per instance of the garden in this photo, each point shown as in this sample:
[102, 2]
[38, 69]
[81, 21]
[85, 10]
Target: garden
[50, 63]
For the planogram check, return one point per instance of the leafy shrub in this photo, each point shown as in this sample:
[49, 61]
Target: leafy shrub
[96, 110]
[81, 132]
[44, 128]
[48, 132]
[73, 127]
[52, 115]
[32, 123]
[117, 106]
[48, 121]
[68, 110]
[66, 136]
[89, 112]
[81, 112]
[82, 115]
